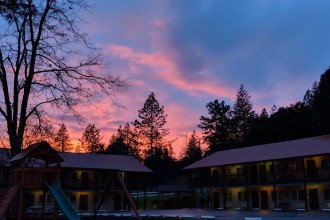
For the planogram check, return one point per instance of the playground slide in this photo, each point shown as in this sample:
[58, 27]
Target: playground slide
[62, 201]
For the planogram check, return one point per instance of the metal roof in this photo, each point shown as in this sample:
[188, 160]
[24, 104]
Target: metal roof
[275, 151]
[103, 161]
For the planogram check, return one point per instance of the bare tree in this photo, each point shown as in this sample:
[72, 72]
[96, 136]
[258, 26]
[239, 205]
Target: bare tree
[38, 130]
[47, 64]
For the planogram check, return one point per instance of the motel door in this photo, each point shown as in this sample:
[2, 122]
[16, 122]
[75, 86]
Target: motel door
[255, 199]
[117, 202]
[83, 202]
[264, 200]
[216, 198]
[313, 199]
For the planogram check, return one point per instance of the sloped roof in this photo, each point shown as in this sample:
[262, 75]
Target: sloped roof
[103, 161]
[275, 151]
[41, 150]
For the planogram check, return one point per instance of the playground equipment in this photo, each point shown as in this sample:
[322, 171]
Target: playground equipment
[63, 201]
[30, 170]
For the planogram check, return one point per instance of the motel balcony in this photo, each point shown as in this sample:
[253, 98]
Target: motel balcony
[263, 178]
[77, 184]
[96, 184]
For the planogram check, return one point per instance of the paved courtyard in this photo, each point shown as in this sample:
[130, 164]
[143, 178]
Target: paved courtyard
[191, 214]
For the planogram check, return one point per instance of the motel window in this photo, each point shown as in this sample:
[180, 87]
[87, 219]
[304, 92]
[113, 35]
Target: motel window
[301, 195]
[274, 196]
[50, 199]
[327, 194]
[298, 195]
[295, 165]
[280, 167]
[40, 200]
[241, 171]
[229, 196]
[299, 165]
[280, 195]
[97, 198]
[100, 175]
[325, 164]
[228, 171]
[242, 196]
[72, 175]
[72, 199]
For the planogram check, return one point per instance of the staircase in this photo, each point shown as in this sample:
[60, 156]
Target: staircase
[6, 200]
[128, 196]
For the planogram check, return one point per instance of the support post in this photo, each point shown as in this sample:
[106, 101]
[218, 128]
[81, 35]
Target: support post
[201, 188]
[128, 196]
[274, 185]
[223, 186]
[305, 183]
[247, 187]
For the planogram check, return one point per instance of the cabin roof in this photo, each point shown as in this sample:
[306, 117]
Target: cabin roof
[275, 151]
[41, 150]
[103, 161]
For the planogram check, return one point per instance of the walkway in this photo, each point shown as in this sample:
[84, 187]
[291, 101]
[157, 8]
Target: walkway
[206, 214]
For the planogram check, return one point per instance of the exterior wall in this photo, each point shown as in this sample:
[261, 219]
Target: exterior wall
[93, 200]
[296, 182]
[85, 189]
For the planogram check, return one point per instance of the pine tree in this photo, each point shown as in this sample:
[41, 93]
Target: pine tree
[217, 129]
[124, 142]
[192, 151]
[151, 125]
[310, 95]
[91, 140]
[243, 114]
[62, 139]
[321, 104]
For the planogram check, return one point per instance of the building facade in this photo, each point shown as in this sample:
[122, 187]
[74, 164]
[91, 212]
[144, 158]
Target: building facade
[291, 175]
[89, 181]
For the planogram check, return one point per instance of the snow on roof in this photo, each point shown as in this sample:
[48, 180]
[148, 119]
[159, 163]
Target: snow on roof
[275, 151]
[103, 161]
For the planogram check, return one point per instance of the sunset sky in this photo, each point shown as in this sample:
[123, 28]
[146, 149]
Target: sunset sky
[192, 52]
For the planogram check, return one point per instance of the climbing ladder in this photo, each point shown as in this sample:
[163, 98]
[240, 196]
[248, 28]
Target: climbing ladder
[128, 196]
[9, 196]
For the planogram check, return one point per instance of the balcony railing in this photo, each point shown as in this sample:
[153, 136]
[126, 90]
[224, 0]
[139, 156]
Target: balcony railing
[89, 184]
[92, 184]
[263, 178]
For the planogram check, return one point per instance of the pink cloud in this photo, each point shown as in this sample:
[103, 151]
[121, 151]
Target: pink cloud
[166, 68]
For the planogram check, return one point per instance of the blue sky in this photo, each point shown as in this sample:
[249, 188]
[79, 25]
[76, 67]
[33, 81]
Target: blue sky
[192, 52]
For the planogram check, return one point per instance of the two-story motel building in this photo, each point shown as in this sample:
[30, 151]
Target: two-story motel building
[290, 175]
